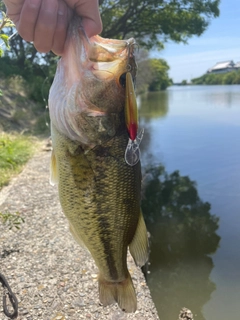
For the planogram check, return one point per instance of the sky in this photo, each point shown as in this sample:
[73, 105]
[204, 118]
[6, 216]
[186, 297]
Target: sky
[220, 42]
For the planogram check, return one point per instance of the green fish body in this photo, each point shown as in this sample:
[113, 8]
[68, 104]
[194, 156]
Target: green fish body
[100, 193]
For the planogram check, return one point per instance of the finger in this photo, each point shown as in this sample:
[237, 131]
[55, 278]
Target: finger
[92, 27]
[14, 9]
[28, 19]
[46, 25]
[88, 10]
[60, 34]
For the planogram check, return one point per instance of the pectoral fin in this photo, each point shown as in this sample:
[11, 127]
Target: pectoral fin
[53, 170]
[139, 247]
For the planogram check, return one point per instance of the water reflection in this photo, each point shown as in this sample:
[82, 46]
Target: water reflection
[153, 104]
[183, 234]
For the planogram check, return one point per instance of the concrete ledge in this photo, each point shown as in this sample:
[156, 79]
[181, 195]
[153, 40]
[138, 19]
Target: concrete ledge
[53, 278]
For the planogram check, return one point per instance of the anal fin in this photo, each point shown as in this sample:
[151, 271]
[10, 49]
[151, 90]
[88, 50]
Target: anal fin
[139, 247]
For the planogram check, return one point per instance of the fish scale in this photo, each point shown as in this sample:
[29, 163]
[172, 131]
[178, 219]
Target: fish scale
[100, 193]
[115, 188]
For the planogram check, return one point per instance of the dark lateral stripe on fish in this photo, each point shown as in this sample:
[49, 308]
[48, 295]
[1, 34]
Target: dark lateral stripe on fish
[106, 241]
[106, 234]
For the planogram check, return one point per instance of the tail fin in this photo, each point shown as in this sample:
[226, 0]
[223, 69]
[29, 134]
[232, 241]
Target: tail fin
[121, 292]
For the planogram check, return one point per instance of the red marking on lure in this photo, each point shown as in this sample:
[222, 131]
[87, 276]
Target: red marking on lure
[131, 113]
[133, 131]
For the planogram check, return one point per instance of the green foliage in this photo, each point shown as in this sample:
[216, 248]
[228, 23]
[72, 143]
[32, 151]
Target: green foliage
[38, 77]
[24, 60]
[232, 77]
[152, 22]
[184, 83]
[9, 67]
[11, 220]
[4, 37]
[15, 151]
[2, 6]
[5, 22]
[159, 70]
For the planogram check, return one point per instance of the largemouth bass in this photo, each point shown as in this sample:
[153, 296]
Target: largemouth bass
[100, 193]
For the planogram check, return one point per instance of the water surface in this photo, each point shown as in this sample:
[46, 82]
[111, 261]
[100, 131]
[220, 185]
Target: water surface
[193, 214]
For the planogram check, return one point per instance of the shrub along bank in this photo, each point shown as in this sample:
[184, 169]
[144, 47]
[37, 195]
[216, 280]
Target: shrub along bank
[232, 77]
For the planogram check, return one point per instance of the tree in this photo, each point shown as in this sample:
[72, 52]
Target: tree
[232, 77]
[144, 74]
[184, 83]
[153, 22]
[159, 70]
[5, 22]
[23, 54]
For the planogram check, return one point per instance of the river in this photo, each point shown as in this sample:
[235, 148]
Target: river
[191, 199]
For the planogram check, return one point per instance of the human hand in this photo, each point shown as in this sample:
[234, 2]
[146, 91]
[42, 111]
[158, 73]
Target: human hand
[45, 22]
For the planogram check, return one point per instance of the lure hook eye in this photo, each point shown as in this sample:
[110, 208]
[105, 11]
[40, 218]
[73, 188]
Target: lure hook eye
[129, 68]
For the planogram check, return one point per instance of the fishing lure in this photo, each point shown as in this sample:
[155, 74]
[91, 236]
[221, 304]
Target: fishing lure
[132, 152]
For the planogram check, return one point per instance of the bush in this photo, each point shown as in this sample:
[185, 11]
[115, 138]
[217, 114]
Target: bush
[36, 77]
[232, 77]
[160, 80]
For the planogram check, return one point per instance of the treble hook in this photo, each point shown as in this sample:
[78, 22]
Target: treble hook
[130, 49]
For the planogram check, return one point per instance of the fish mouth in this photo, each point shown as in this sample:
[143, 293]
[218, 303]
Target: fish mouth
[104, 59]
[112, 58]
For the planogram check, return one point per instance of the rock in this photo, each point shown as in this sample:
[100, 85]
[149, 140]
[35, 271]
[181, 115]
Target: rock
[185, 314]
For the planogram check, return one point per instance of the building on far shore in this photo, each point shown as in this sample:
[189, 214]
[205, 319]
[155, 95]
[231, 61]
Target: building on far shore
[224, 67]
[237, 65]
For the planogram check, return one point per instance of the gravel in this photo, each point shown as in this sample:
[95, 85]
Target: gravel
[51, 275]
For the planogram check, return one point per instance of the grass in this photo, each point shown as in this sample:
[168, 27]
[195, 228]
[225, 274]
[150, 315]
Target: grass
[11, 220]
[15, 151]
[18, 114]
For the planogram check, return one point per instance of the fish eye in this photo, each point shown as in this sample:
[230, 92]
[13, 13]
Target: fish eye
[122, 80]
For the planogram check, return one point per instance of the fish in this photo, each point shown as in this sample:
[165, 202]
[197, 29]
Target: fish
[99, 192]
